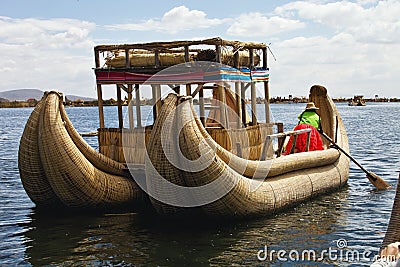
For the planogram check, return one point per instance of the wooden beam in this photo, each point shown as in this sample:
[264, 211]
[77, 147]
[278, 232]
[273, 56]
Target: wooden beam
[201, 103]
[177, 44]
[100, 105]
[158, 103]
[123, 87]
[253, 104]
[127, 59]
[224, 121]
[238, 104]
[218, 54]
[265, 54]
[243, 100]
[157, 58]
[96, 58]
[266, 88]
[197, 90]
[138, 111]
[130, 107]
[251, 56]
[187, 53]
[154, 96]
[119, 104]
[188, 89]
[247, 86]
[267, 102]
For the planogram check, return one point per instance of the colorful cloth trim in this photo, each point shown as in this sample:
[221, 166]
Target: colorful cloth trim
[217, 75]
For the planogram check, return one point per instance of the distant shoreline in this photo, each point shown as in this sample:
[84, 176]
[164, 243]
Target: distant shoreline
[148, 102]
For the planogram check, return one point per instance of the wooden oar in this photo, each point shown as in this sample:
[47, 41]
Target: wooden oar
[377, 181]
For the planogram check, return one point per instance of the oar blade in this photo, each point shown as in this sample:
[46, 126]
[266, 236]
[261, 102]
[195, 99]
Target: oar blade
[377, 181]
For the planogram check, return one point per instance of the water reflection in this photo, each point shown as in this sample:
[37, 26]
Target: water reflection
[358, 213]
[139, 240]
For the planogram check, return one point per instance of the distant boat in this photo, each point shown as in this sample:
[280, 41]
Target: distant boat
[357, 100]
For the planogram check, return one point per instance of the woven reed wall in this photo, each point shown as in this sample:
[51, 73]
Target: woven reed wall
[147, 59]
[117, 144]
[251, 139]
[112, 142]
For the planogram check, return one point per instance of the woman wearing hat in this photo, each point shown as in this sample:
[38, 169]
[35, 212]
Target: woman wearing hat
[308, 119]
[310, 116]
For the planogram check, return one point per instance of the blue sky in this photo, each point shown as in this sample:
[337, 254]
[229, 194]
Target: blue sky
[351, 47]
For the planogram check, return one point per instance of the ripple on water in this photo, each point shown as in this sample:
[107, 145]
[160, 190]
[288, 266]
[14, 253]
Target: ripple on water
[357, 213]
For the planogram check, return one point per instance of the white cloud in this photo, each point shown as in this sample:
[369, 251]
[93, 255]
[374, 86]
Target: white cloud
[351, 47]
[50, 33]
[339, 62]
[46, 54]
[375, 23]
[175, 20]
[256, 24]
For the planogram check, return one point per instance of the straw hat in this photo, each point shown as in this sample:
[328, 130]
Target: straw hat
[311, 106]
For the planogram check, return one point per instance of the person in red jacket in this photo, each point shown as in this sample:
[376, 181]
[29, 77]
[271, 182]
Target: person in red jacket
[308, 119]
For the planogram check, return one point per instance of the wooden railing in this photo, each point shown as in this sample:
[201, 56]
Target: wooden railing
[281, 141]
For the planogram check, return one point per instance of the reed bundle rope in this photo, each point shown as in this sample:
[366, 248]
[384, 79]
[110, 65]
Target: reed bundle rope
[32, 174]
[158, 166]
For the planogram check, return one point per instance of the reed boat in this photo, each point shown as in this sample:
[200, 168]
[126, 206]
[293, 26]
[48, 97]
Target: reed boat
[240, 187]
[392, 234]
[214, 158]
[357, 100]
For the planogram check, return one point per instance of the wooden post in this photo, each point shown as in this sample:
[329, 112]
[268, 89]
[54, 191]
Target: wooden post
[253, 104]
[158, 99]
[251, 56]
[292, 149]
[266, 89]
[154, 96]
[308, 141]
[267, 102]
[218, 56]
[100, 104]
[243, 100]
[188, 89]
[266, 146]
[119, 103]
[138, 112]
[281, 140]
[201, 102]
[127, 59]
[253, 91]
[96, 58]
[130, 108]
[238, 105]
[156, 58]
[222, 105]
[187, 53]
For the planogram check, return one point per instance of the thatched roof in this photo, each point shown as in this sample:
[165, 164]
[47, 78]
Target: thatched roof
[178, 44]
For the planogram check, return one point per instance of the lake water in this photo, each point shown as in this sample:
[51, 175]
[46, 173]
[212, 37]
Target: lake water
[344, 228]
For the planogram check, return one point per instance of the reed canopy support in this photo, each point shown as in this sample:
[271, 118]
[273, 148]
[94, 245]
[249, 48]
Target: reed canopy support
[132, 68]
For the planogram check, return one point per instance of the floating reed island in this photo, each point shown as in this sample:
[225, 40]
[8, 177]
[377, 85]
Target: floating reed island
[217, 160]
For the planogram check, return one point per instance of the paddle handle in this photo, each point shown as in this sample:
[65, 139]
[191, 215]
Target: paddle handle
[344, 152]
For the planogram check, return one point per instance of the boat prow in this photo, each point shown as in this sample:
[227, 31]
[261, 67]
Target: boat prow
[58, 168]
[222, 184]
